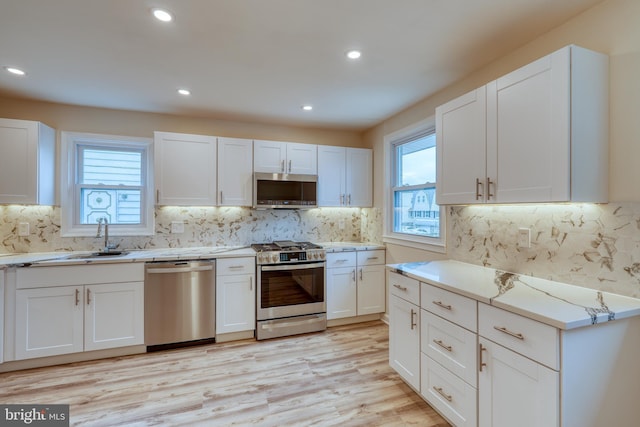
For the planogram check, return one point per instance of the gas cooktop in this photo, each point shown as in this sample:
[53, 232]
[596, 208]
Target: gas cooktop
[287, 251]
[284, 246]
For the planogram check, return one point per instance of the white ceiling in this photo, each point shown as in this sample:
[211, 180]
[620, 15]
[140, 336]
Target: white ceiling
[261, 60]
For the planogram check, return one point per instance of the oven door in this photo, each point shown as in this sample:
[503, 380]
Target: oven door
[291, 290]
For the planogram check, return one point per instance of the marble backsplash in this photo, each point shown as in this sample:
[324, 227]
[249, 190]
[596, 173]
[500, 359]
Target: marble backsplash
[594, 246]
[203, 226]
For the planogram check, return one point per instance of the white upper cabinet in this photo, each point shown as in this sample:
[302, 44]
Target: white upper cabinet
[235, 172]
[285, 157]
[27, 163]
[545, 135]
[345, 176]
[185, 169]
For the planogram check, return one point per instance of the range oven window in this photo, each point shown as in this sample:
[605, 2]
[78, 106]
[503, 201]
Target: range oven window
[286, 286]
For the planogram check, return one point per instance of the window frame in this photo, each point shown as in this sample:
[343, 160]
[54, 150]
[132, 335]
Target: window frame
[70, 188]
[391, 140]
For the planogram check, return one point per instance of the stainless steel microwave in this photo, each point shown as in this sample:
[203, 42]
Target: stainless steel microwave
[284, 191]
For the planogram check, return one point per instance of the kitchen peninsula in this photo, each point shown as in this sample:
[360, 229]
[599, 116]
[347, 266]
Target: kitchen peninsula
[463, 333]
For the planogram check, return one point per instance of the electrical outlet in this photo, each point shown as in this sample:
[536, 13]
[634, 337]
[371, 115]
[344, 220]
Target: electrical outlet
[177, 227]
[524, 237]
[23, 229]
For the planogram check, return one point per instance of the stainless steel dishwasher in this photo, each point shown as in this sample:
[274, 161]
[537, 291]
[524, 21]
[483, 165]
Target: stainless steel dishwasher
[179, 303]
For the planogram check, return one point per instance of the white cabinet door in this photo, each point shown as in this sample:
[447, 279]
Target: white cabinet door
[235, 303]
[185, 169]
[515, 391]
[529, 131]
[332, 178]
[235, 172]
[27, 162]
[461, 149]
[371, 289]
[302, 158]
[113, 315]
[285, 157]
[359, 177]
[341, 292]
[49, 321]
[404, 340]
[269, 156]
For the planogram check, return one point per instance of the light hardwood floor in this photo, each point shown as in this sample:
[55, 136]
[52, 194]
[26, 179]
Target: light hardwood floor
[337, 377]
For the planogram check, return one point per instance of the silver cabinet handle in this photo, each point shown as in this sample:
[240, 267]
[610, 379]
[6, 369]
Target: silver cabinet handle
[478, 185]
[413, 324]
[402, 288]
[441, 344]
[508, 332]
[221, 197]
[489, 183]
[289, 166]
[480, 362]
[349, 198]
[157, 196]
[353, 275]
[282, 165]
[77, 296]
[442, 393]
[235, 267]
[342, 199]
[88, 297]
[441, 304]
[251, 283]
[372, 258]
[360, 274]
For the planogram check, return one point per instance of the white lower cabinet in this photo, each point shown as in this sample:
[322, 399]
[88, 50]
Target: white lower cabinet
[404, 328]
[52, 319]
[515, 390]
[235, 295]
[355, 283]
[69, 319]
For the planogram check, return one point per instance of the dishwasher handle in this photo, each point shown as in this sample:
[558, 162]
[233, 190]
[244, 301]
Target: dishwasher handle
[166, 270]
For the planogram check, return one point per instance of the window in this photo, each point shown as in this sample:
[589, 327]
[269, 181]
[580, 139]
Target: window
[106, 177]
[413, 215]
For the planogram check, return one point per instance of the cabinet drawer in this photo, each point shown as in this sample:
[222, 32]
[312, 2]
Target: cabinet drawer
[371, 257]
[528, 337]
[452, 397]
[452, 346]
[232, 266]
[404, 287]
[341, 259]
[460, 310]
[40, 277]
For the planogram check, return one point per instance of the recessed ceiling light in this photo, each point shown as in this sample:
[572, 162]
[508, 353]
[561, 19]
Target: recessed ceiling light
[307, 107]
[184, 92]
[16, 71]
[354, 54]
[162, 15]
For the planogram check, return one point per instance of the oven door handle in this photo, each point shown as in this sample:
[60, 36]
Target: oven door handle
[284, 267]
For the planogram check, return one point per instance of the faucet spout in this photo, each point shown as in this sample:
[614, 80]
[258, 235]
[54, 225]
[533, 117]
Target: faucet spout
[107, 246]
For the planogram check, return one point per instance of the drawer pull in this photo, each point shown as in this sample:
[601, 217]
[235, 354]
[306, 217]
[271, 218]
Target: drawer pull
[413, 324]
[88, 297]
[372, 258]
[77, 296]
[480, 362]
[441, 344]
[402, 288]
[441, 304]
[235, 267]
[508, 332]
[442, 393]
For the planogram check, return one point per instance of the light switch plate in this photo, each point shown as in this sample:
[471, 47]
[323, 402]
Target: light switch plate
[524, 237]
[23, 229]
[177, 227]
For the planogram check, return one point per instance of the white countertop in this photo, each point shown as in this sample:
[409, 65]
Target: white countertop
[349, 246]
[557, 304]
[148, 255]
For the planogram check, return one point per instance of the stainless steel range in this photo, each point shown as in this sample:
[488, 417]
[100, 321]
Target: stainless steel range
[291, 289]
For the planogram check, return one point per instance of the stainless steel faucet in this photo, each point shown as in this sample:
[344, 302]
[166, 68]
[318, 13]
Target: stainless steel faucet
[107, 246]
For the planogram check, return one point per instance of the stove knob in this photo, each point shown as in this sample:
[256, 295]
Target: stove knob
[274, 258]
[314, 255]
[321, 255]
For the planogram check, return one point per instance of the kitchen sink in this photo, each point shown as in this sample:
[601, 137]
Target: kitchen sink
[100, 254]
